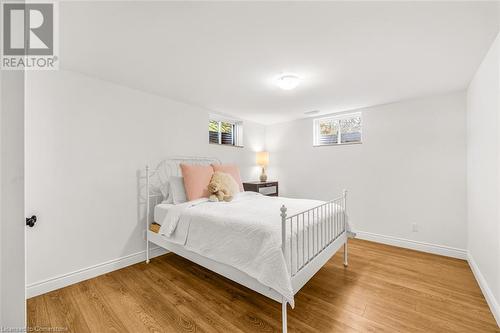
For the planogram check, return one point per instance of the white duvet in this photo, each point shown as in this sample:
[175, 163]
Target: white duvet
[244, 233]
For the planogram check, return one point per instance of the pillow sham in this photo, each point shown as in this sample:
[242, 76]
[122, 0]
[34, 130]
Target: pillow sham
[231, 169]
[177, 190]
[165, 192]
[196, 179]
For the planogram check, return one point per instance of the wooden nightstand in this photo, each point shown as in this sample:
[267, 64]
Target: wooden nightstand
[266, 188]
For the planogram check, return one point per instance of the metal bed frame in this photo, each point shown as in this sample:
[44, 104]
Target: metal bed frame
[323, 232]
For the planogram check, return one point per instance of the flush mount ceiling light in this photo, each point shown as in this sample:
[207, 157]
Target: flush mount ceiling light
[288, 81]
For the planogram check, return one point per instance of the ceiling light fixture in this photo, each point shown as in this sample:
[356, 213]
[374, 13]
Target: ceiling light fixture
[288, 81]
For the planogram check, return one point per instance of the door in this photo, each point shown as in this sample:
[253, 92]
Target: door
[12, 220]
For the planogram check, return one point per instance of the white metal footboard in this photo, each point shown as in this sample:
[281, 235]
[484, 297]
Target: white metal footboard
[310, 238]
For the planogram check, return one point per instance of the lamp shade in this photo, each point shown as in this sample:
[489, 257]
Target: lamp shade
[263, 158]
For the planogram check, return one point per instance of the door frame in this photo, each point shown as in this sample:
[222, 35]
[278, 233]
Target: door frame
[12, 208]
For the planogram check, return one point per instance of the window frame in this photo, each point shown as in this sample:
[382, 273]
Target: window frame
[338, 119]
[235, 131]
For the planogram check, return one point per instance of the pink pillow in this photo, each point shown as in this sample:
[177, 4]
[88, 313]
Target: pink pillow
[231, 169]
[196, 179]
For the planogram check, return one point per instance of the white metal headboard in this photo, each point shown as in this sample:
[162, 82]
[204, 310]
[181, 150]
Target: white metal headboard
[158, 177]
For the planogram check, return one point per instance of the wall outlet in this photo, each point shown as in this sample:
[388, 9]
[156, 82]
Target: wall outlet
[414, 227]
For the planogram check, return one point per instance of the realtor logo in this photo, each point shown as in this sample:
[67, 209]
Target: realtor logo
[29, 39]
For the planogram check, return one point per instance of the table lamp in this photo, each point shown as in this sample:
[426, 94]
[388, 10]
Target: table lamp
[263, 161]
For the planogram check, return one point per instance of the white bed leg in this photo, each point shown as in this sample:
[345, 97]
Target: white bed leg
[345, 254]
[283, 316]
[148, 195]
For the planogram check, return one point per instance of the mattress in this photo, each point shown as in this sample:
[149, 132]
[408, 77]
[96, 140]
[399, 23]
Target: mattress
[161, 212]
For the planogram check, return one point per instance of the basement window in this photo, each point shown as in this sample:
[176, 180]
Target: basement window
[337, 130]
[225, 132]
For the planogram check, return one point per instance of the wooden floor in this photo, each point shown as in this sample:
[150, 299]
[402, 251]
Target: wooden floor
[384, 289]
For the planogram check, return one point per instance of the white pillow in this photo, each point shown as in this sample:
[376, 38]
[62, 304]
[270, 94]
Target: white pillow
[165, 191]
[177, 190]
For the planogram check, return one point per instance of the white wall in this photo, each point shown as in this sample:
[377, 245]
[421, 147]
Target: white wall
[409, 169]
[483, 153]
[12, 264]
[86, 141]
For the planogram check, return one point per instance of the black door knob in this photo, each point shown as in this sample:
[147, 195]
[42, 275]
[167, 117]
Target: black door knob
[30, 221]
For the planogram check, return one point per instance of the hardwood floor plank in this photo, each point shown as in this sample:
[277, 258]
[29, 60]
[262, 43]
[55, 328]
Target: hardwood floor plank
[171, 319]
[94, 308]
[37, 312]
[63, 311]
[135, 317]
[384, 289]
[207, 319]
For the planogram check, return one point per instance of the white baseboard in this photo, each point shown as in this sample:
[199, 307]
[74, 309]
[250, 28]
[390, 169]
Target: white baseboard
[413, 245]
[488, 294]
[64, 280]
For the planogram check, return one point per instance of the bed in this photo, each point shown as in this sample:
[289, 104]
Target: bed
[272, 245]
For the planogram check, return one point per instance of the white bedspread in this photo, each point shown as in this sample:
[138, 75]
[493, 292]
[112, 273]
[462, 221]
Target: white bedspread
[244, 233]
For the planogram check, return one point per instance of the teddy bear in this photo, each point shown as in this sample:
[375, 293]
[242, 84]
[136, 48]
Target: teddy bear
[222, 187]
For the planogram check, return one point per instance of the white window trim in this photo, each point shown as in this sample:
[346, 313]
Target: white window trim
[238, 134]
[316, 122]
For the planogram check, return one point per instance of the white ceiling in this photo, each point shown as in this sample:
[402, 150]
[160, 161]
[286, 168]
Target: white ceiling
[224, 55]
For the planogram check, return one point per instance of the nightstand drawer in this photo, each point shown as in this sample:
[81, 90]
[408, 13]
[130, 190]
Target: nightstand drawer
[268, 190]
